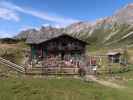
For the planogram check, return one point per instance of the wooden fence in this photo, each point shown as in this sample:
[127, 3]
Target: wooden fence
[14, 66]
[53, 71]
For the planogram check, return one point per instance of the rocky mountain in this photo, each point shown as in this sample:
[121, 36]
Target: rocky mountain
[25, 34]
[116, 30]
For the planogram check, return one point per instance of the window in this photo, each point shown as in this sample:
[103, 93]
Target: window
[64, 44]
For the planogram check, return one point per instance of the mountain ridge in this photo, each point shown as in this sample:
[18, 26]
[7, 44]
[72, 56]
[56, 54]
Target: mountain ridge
[109, 31]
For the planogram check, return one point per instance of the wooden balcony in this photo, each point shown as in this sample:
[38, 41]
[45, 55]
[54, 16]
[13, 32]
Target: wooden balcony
[67, 47]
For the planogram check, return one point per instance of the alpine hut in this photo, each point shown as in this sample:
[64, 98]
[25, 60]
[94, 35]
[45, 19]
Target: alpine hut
[60, 45]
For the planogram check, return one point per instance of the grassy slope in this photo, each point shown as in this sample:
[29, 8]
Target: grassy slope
[13, 52]
[55, 89]
[63, 89]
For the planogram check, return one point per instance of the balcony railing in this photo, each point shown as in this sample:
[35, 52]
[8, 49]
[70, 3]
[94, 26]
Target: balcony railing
[53, 70]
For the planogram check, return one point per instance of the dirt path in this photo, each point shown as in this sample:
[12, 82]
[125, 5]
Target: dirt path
[103, 82]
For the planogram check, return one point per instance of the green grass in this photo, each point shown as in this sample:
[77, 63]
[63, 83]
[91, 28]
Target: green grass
[57, 89]
[18, 88]
[127, 74]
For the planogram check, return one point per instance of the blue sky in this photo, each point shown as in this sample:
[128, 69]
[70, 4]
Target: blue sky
[17, 15]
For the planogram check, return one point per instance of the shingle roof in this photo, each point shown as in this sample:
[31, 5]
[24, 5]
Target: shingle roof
[39, 37]
[113, 53]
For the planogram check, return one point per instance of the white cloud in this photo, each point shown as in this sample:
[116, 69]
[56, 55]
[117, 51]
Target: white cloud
[42, 15]
[10, 11]
[56, 25]
[7, 14]
[26, 27]
[4, 34]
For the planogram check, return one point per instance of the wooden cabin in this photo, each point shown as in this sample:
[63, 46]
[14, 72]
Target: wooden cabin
[62, 46]
[58, 53]
[114, 57]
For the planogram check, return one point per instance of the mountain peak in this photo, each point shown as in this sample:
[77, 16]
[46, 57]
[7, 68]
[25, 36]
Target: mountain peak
[130, 5]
